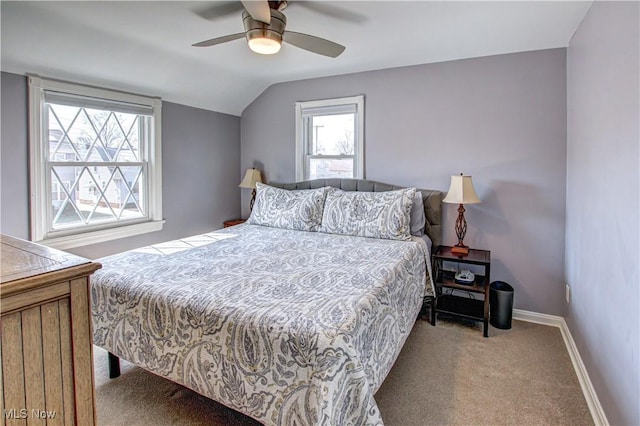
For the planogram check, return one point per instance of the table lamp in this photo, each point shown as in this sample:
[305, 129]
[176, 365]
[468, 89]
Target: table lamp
[461, 192]
[250, 178]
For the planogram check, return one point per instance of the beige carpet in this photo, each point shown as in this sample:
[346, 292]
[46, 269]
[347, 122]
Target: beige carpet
[445, 375]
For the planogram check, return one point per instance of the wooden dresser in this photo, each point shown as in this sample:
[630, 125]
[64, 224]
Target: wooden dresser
[46, 353]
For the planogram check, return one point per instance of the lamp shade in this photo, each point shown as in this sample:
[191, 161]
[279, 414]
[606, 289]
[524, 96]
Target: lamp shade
[250, 178]
[461, 191]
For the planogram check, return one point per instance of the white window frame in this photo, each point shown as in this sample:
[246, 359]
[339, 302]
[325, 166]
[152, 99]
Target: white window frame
[40, 180]
[306, 109]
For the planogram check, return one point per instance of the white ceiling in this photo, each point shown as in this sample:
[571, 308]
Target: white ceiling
[145, 47]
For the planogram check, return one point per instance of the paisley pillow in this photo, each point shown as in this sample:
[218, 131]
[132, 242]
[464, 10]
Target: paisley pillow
[383, 215]
[417, 217]
[280, 208]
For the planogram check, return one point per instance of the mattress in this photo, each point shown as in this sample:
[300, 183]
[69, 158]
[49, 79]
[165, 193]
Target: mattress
[288, 327]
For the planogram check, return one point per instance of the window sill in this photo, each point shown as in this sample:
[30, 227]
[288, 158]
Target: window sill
[94, 237]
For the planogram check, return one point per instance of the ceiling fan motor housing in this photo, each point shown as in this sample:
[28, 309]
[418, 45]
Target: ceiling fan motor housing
[256, 29]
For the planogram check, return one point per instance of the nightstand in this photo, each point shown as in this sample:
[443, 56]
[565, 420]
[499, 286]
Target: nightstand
[233, 222]
[455, 298]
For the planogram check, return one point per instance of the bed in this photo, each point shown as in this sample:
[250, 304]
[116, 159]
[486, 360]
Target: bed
[287, 326]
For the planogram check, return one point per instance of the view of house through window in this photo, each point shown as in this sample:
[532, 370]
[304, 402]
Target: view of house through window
[95, 163]
[329, 138]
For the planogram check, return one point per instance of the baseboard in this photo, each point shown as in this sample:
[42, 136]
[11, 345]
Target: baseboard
[599, 417]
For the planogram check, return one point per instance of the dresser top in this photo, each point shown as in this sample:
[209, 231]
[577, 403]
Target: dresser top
[23, 260]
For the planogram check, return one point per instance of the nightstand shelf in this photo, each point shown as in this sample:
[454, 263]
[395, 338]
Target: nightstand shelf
[447, 279]
[454, 303]
[461, 307]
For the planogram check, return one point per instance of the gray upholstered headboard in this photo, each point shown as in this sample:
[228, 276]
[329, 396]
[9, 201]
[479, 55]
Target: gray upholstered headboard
[432, 199]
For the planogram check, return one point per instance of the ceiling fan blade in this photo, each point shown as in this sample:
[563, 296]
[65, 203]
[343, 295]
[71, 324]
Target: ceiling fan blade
[218, 10]
[218, 40]
[259, 10]
[332, 11]
[313, 44]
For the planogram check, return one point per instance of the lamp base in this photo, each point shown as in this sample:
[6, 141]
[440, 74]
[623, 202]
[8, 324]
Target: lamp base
[253, 199]
[460, 250]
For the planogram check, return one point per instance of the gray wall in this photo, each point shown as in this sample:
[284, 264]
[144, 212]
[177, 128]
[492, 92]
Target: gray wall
[501, 119]
[200, 169]
[14, 156]
[602, 203]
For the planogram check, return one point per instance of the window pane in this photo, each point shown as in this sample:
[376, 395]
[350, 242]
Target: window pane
[323, 168]
[332, 134]
[85, 195]
[131, 180]
[93, 135]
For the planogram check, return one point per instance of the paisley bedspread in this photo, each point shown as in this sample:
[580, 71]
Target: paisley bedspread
[288, 327]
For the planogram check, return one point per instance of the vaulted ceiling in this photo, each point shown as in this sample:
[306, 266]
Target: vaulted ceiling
[145, 47]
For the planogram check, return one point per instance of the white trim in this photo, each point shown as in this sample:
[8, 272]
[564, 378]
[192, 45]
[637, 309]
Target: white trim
[538, 318]
[299, 152]
[37, 181]
[155, 159]
[358, 150]
[599, 417]
[358, 139]
[86, 238]
[92, 91]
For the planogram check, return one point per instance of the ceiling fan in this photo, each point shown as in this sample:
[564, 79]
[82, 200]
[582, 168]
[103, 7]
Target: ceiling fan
[264, 29]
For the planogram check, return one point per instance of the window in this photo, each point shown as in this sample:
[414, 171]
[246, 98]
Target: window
[95, 164]
[330, 138]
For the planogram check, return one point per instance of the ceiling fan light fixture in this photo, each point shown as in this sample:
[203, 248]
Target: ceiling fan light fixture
[264, 45]
[265, 39]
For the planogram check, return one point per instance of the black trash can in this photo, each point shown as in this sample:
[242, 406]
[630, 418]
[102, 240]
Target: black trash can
[500, 304]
